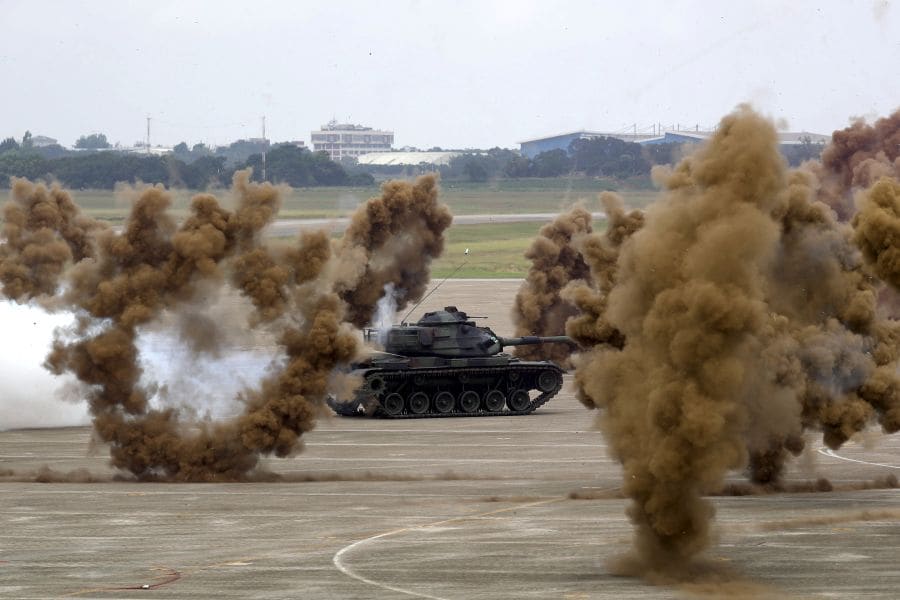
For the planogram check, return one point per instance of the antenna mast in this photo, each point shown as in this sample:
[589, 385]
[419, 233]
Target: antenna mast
[434, 289]
[148, 134]
[264, 148]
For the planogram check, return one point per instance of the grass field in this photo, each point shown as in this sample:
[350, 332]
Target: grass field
[496, 250]
[506, 197]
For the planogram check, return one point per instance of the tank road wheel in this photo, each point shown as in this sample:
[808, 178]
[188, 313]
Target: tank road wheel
[494, 400]
[547, 381]
[375, 384]
[393, 404]
[443, 402]
[469, 401]
[418, 403]
[518, 401]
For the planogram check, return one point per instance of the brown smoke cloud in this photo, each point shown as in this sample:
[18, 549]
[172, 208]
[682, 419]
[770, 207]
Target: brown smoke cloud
[856, 158]
[154, 267]
[391, 239]
[555, 262]
[739, 316]
[589, 327]
[43, 232]
[876, 228]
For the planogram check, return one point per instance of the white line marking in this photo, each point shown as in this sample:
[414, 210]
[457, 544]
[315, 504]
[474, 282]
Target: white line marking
[425, 445]
[339, 563]
[479, 461]
[324, 430]
[338, 559]
[831, 453]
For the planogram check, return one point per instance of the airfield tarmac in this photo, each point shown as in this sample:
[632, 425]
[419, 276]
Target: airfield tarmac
[434, 508]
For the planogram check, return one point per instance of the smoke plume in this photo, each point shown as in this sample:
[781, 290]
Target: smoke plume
[391, 239]
[856, 158]
[589, 326]
[555, 262]
[739, 316]
[43, 231]
[120, 284]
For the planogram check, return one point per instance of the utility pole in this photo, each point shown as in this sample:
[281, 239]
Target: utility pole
[148, 134]
[264, 148]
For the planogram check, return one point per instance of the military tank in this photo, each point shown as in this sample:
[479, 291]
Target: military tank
[446, 366]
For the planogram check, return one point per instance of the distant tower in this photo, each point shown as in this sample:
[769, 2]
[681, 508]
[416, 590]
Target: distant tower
[264, 148]
[148, 134]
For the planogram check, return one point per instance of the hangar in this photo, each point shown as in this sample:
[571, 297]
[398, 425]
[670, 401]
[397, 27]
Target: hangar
[533, 147]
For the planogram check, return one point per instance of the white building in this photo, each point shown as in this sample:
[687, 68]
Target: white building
[341, 140]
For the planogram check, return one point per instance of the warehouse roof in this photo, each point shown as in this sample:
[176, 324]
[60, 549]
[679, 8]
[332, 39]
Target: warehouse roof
[406, 158]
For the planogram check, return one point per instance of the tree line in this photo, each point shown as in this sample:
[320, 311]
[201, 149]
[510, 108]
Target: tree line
[95, 165]
[195, 168]
[595, 157]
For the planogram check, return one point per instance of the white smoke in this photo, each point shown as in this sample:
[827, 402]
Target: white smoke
[207, 382]
[385, 312]
[30, 396]
[201, 386]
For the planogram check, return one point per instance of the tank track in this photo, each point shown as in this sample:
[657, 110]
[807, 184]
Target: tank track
[398, 376]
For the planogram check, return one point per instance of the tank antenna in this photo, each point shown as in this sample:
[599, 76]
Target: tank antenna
[434, 289]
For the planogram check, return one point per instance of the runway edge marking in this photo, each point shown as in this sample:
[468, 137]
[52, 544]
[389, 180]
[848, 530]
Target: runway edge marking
[833, 454]
[338, 558]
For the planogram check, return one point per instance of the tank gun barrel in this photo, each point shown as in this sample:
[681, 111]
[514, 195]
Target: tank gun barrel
[533, 339]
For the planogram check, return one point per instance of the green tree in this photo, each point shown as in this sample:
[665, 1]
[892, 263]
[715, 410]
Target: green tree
[327, 172]
[203, 172]
[9, 143]
[284, 164]
[52, 151]
[240, 151]
[608, 156]
[517, 166]
[22, 164]
[94, 141]
[27, 142]
[475, 170]
[552, 163]
[661, 154]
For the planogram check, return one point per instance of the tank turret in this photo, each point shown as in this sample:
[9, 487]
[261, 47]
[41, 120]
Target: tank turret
[446, 365]
[450, 333]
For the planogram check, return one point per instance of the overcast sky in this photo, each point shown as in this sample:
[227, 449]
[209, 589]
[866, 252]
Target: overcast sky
[444, 73]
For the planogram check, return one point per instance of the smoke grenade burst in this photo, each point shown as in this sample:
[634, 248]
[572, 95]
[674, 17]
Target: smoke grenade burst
[43, 232]
[124, 283]
[855, 159]
[555, 262]
[392, 238]
[589, 326]
[738, 316]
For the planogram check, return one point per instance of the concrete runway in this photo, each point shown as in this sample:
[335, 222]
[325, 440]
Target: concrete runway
[289, 227]
[435, 508]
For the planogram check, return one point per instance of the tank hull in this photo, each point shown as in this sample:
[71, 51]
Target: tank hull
[499, 386]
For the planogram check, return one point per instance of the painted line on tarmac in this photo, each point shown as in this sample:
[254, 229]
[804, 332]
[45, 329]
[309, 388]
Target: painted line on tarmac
[479, 461]
[422, 444]
[455, 431]
[832, 454]
[338, 559]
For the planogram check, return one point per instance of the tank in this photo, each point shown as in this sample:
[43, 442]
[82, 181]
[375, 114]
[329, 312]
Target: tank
[446, 366]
